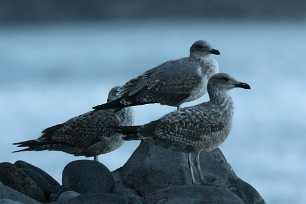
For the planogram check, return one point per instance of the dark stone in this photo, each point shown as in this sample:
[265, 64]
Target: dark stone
[105, 198]
[245, 191]
[11, 194]
[11, 176]
[42, 179]
[23, 164]
[41, 182]
[9, 201]
[55, 196]
[86, 176]
[121, 189]
[193, 194]
[66, 196]
[151, 168]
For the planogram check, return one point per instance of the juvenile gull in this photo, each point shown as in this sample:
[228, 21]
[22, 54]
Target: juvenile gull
[193, 129]
[86, 135]
[171, 83]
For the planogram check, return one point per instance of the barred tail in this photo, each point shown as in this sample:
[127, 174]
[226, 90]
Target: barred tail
[129, 132]
[31, 145]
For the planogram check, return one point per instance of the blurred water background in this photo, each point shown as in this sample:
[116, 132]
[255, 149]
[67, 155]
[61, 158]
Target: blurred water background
[54, 68]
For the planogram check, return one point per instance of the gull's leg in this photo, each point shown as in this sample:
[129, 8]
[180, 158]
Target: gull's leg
[190, 168]
[96, 158]
[198, 164]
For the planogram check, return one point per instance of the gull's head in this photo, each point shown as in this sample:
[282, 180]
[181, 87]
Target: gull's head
[112, 95]
[222, 81]
[202, 47]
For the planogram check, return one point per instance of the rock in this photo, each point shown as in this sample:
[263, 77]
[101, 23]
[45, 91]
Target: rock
[121, 189]
[66, 196]
[193, 194]
[86, 176]
[47, 177]
[41, 178]
[9, 201]
[54, 196]
[105, 198]
[245, 191]
[46, 187]
[13, 177]
[7, 193]
[151, 168]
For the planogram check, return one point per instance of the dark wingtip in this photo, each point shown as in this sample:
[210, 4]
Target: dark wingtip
[216, 52]
[96, 107]
[101, 107]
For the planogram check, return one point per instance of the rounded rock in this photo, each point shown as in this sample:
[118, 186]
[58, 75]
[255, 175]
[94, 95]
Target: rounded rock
[9, 201]
[245, 191]
[124, 191]
[23, 164]
[151, 168]
[66, 196]
[193, 194]
[12, 177]
[86, 176]
[105, 198]
[7, 193]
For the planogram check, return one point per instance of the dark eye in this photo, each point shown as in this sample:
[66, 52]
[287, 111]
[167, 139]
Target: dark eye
[225, 78]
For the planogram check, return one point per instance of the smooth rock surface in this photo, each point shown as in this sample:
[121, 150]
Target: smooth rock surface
[100, 198]
[194, 194]
[25, 165]
[86, 176]
[9, 201]
[121, 189]
[10, 193]
[42, 179]
[11, 176]
[245, 191]
[66, 196]
[151, 168]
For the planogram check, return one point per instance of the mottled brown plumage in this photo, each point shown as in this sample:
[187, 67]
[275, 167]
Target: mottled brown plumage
[87, 135]
[193, 129]
[171, 83]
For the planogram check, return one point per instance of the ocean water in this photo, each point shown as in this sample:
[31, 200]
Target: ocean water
[50, 73]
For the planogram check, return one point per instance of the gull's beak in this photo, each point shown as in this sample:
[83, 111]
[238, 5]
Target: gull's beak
[242, 85]
[216, 52]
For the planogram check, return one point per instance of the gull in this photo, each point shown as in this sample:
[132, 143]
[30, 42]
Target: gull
[171, 83]
[194, 129]
[85, 135]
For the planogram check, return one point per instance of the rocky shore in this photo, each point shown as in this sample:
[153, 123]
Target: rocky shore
[151, 175]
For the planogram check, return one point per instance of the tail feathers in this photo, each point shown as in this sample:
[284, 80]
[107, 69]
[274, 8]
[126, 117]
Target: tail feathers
[129, 132]
[30, 145]
[115, 104]
[41, 143]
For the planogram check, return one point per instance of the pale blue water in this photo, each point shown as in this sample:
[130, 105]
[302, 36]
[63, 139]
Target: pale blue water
[52, 73]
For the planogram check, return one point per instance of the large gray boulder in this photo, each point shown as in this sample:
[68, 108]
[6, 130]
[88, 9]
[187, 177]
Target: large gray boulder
[151, 168]
[99, 198]
[193, 194]
[9, 201]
